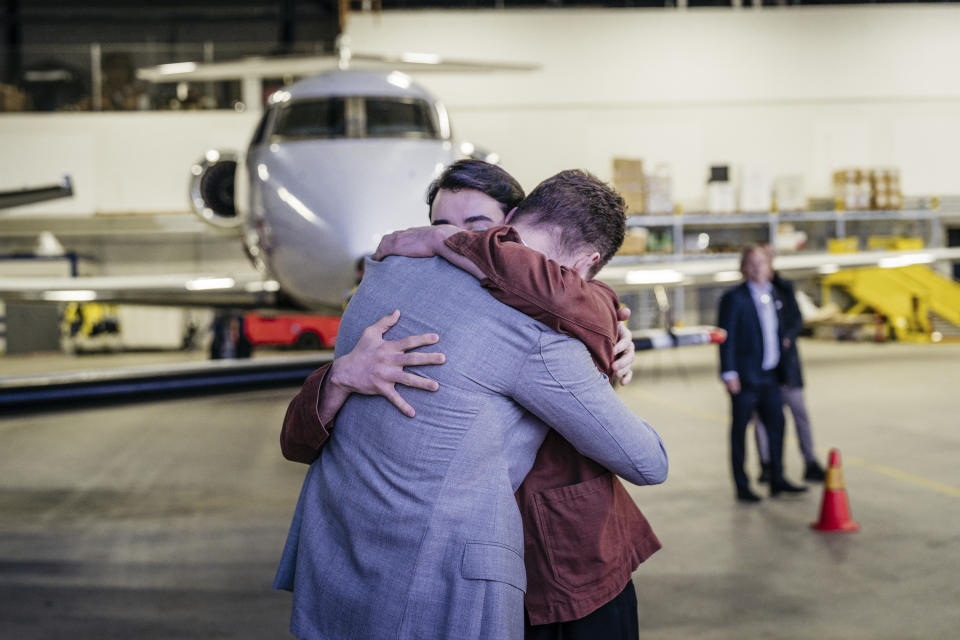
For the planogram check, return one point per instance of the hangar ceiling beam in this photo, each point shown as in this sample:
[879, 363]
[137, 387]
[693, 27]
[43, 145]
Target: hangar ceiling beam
[14, 42]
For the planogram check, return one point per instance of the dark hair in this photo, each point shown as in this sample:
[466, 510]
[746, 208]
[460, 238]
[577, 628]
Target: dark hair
[484, 177]
[583, 208]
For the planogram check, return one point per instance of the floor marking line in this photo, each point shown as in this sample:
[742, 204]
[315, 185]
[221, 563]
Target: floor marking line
[909, 478]
[890, 472]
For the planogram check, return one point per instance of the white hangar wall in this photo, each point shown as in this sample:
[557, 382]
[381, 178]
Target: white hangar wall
[798, 90]
[132, 162]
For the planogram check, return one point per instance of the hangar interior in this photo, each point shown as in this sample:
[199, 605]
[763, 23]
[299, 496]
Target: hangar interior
[829, 130]
[776, 100]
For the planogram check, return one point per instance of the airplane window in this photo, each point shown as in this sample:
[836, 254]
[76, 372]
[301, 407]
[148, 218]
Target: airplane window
[392, 117]
[324, 118]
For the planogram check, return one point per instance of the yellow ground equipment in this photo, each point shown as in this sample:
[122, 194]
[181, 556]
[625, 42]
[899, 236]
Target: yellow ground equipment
[918, 304]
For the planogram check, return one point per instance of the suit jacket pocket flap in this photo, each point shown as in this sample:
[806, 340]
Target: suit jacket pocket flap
[492, 561]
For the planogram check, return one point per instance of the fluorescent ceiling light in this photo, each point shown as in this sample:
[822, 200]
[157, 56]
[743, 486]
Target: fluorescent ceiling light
[653, 276]
[905, 261]
[420, 58]
[177, 67]
[827, 269]
[726, 276]
[205, 284]
[266, 285]
[80, 295]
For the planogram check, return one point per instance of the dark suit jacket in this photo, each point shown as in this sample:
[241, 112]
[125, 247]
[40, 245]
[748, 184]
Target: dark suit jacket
[792, 325]
[743, 349]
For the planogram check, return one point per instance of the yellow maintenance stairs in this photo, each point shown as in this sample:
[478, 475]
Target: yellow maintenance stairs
[918, 303]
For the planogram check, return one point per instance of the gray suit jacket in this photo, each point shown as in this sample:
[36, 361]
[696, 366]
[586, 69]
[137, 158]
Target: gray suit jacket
[408, 528]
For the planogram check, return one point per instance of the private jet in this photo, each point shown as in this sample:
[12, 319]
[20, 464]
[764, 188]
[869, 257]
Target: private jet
[337, 161]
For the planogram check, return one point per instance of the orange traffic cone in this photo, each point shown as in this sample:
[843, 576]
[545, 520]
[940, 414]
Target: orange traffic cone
[835, 510]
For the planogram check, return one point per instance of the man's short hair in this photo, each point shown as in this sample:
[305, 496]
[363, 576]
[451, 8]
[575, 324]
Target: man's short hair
[482, 176]
[584, 209]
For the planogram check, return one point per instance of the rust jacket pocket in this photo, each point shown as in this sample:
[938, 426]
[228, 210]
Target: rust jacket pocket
[586, 530]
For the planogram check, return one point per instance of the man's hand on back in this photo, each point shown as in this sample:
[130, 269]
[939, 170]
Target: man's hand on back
[375, 365]
[624, 350]
[418, 242]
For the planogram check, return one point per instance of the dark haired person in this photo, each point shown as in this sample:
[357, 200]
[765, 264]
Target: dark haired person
[602, 535]
[476, 194]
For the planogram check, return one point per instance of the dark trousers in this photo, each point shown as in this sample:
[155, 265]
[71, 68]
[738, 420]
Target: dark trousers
[616, 620]
[766, 400]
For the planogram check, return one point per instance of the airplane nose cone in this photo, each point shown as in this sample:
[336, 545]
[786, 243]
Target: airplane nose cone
[328, 203]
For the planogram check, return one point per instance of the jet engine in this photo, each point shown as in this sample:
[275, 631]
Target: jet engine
[212, 189]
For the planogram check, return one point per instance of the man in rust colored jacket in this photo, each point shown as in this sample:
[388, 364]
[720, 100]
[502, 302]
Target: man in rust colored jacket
[583, 534]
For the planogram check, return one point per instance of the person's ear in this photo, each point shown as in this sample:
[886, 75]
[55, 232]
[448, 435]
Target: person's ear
[585, 262]
[509, 215]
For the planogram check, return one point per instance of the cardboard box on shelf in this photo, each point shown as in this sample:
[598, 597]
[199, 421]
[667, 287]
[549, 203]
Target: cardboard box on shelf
[865, 188]
[12, 99]
[721, 196]
[659, 191]
[629, 181]
[756, 190]
[789, 193]
[635, 201]
[634, 242]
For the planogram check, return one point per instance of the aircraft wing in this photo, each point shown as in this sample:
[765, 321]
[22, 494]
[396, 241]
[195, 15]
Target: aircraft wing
[626, 273]
[235, 291]
[279, 66]
[20, 197]
[252, 291]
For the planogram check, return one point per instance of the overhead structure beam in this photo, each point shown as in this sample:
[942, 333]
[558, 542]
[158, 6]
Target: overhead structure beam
[14, 42]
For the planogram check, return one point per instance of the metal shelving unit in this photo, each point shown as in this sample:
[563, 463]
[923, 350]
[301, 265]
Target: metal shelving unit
[771, 220]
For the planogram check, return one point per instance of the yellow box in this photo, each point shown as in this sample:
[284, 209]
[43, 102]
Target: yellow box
[908, 244]
[843, 245]
[881, 243]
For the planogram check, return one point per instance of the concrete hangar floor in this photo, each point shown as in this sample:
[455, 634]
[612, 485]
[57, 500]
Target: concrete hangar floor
[166, 519]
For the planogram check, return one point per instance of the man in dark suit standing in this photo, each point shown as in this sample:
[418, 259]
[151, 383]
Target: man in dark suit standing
[750, 366]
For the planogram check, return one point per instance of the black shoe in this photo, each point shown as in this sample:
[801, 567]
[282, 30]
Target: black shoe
[745, 495]
[814, 472]
[784, 487]
[764, 473]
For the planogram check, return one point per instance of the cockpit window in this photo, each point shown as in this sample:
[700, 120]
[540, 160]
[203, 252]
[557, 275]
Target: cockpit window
[324, 118]
[355, 117]
[399, 117]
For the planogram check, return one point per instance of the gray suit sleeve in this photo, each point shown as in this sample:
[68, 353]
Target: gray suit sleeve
[560, 384]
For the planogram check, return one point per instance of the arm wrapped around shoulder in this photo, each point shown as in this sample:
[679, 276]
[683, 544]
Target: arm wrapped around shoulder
[541, 288]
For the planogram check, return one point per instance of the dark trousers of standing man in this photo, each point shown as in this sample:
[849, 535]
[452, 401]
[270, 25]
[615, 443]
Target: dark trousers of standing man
[766, 400]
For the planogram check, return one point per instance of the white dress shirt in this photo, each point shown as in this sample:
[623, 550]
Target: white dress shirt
[766, 307]
[769, 325]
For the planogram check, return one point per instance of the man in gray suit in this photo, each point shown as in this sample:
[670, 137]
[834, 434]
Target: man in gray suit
[408, 528]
